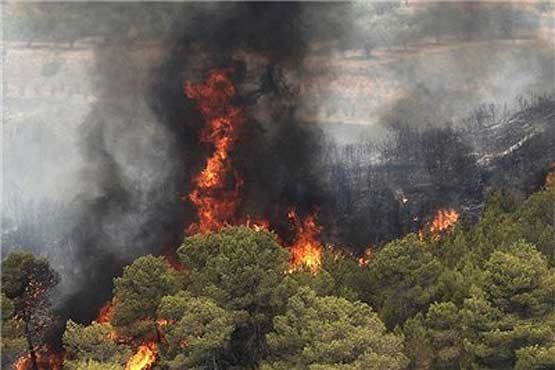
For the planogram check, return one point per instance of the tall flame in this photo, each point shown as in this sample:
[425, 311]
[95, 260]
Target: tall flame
[306, 250]
[145, 357]
[216, 187]
[443, 220]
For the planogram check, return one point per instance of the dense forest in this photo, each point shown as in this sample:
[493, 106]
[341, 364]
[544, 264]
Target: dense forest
[475, 296]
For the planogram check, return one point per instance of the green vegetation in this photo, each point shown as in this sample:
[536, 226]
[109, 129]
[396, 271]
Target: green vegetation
[481, 296]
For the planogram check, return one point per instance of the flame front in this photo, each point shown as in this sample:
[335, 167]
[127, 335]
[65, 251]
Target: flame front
[217, 186]
[306, 250]
[144, 358]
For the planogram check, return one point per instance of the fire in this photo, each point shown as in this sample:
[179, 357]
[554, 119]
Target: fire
[145, 357]
[105, 312]
[443, 220]
[46, 360]
[306, 250]
[216, 188]
[364, 260]
[23, 363]
[550, 179]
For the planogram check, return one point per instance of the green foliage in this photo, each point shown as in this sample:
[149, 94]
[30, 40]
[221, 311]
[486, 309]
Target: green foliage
[518, 281]
[537, 217]
[14, 343]
[331, 333]
[92, 365]
[27, 283]
[536, 358]
[21, 270]
[403, 280]
[138, 292]
[197, 331]
[92, 343]
[239, 268]
[244, 271]
[340, 276]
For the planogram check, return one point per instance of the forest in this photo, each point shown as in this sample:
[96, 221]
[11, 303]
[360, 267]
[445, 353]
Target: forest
[472, 295]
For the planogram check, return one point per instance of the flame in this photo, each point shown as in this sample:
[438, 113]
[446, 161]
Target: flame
[364, 260]
[23, 362]
[216, 188]
[46, 360]
[444, 219]
[145, 357]
[258, 225]
[105, 312]
[550, 180]
[306, 249]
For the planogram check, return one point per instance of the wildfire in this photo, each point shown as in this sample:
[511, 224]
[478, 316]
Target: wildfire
[217, 186]
[443, 220]
[306, 250]
[145, 357]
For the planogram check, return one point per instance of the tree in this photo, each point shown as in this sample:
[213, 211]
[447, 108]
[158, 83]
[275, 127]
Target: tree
[14, 342]
[95, 365]
[402, 280]
[331, 333]
[197, 331]
[243, 271]
[418, 347]
[511, 310]
[442, 322]
[535, 358]
[537, 218]
[28, 281]
[519, 282]
[93, 343]
[339, 276]
[137, 294]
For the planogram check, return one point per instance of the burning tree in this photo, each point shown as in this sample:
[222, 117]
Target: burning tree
[28, 282]
[86, 345]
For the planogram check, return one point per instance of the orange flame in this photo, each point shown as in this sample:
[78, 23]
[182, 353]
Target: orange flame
[306, 250]
[216, 187]
[444, 219]
[146, 356]
[23, 362]
[46, 360]
[550, 180]
[364, 260]
[105, 313]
